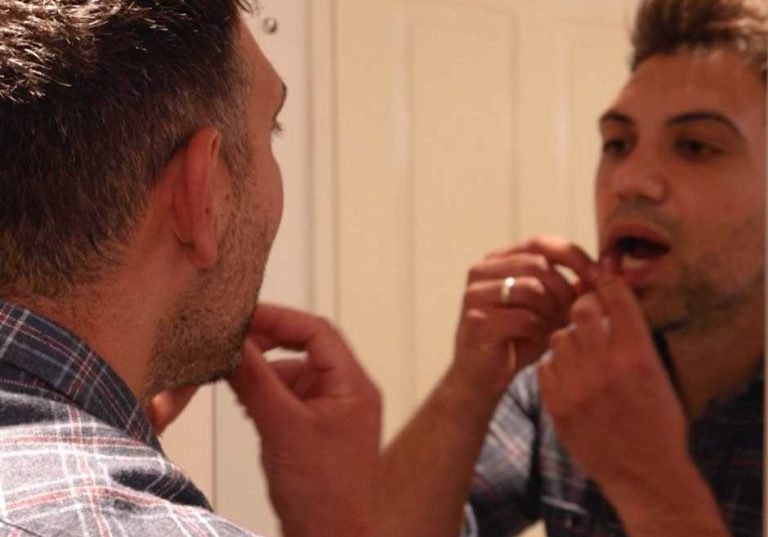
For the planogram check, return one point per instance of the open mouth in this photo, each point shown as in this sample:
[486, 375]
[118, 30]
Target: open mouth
[632, 253]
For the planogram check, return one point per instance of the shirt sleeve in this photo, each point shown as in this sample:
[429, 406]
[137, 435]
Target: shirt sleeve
[505, 493]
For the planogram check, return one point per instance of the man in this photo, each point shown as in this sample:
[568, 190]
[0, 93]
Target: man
[139, 198]
[610, 434]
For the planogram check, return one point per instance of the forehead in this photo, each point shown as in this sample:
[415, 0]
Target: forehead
[266, 84]
[667, 85]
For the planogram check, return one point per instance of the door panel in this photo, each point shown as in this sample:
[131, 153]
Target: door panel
[461, 126]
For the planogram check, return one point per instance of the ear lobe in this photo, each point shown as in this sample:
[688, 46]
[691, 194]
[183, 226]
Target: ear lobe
[196, 190]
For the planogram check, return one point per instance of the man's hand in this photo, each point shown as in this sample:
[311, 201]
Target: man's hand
[428, 468]
[319, 422]
[496, 340]
[616, 412]
[165, 407]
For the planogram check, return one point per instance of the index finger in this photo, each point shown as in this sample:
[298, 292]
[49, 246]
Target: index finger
[627, 321]
[561, 252]
[295, 330]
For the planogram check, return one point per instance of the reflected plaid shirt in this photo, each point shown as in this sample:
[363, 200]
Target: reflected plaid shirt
[524, 475]
[79, 457]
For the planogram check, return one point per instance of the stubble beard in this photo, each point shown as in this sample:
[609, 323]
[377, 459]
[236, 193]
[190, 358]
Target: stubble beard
[704, 294]
[700, 301]
[201, 341]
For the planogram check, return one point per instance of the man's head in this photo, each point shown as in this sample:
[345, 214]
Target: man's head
[136, 138]
[199, 341]
[666, 27]
[681, 182]
[95, 97]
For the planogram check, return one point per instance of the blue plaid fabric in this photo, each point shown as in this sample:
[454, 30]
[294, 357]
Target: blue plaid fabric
[524, 475]
[78, 456]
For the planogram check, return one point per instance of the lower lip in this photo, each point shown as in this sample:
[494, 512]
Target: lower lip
[638, 275]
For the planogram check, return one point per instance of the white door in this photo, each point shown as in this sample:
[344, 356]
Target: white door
[460, 126]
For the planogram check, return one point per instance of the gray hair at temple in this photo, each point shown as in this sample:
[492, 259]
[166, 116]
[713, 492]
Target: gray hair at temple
[95, 98]
[668, 26]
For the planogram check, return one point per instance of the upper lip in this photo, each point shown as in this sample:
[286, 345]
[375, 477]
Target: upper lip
[632, 230]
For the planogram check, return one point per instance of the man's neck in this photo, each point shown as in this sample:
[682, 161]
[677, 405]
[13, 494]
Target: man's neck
[115, 332]
[710, 363]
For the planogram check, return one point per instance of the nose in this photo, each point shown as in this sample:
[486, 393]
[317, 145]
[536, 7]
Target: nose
[640, 175]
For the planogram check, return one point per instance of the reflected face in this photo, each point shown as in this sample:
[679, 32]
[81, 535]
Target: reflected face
[202, 339]
[680, 190]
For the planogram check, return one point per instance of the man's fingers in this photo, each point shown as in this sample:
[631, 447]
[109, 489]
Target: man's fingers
[550, 384]
[589, 318]
[627, 322]
[527, 292]
[562, 252]
[260, 388]
[493, 327]
[522, 265]
[288, 369]
[295, 330]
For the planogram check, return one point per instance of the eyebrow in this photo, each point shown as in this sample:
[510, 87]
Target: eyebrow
[613, 115]
[705, 115]
[681, 119]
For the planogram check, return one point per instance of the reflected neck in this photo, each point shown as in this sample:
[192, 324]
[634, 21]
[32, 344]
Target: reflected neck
[709, 364]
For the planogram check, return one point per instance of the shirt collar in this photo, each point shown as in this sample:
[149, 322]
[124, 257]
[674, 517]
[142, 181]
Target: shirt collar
[64, 362]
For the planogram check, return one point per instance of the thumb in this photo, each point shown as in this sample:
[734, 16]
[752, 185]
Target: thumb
[261, 390]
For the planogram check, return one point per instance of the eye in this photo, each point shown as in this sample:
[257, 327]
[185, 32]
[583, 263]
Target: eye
[616, 147]
[693, 148]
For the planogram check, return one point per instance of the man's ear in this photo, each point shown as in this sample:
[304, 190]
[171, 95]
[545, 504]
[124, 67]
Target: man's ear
[198, 189]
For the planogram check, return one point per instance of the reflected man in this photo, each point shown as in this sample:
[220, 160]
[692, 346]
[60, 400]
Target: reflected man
[631, 401]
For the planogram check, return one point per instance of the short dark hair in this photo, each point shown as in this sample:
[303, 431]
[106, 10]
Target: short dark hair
[95, 97]
[668, 26]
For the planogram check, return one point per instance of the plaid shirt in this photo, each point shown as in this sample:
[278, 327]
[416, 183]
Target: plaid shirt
[524, 474]
[79, 457]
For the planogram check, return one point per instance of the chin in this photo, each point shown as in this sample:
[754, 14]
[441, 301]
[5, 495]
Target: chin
[193, 356]
[661, 313]
[224, 372]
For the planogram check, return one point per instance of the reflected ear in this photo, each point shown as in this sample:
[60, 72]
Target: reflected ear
[197, 188]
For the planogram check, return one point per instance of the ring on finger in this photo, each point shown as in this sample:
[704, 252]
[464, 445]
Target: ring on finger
[505, 295]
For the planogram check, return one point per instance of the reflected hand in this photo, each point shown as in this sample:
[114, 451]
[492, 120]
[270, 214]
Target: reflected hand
[496, 340]
[610, 399]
